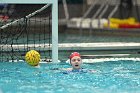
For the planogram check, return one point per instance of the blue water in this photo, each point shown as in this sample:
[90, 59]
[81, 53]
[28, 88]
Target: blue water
[110, 77]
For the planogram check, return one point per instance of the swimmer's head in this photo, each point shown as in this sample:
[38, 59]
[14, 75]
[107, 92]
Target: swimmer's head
[75, 60]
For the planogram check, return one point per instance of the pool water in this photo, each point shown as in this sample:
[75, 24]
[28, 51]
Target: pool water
[110, 77]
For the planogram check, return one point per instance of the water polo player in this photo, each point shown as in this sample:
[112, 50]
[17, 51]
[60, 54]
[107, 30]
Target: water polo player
[76, 63]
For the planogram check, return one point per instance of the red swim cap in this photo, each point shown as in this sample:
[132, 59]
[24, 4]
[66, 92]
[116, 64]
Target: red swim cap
[74, 54]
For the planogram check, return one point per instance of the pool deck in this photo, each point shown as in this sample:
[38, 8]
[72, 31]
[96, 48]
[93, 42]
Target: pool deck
[99, 46]
[80, 46]
[87, 50]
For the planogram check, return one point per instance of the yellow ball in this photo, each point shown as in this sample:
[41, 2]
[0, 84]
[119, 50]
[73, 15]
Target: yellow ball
[32, 57]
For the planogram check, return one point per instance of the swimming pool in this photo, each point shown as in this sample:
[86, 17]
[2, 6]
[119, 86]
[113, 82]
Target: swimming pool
[121, 76]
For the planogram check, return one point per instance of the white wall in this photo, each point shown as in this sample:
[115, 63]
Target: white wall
[92, 1]
[138, 1]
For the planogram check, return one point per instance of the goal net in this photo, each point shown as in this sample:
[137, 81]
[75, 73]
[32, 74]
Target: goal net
[25, 27]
